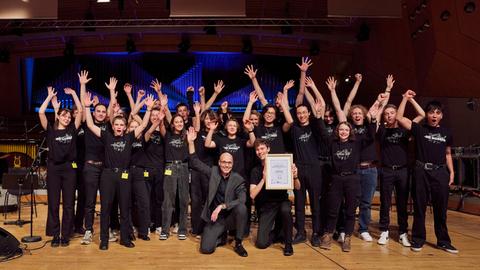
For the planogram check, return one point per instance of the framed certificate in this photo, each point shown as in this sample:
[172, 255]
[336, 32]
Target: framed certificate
[279, 171]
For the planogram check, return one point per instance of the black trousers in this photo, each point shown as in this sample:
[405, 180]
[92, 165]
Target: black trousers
[431, 185]
[268, 214]
[61, 179]
[112, 183]
[80, 206]
[326, 180]
[397, 179]
[234, 219]
[141, 199]
[310, 180]
[91, 181]
[345, 188]
[198, 195]
[155, 189]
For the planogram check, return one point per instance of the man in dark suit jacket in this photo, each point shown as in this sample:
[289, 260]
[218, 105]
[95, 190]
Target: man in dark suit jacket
[225, 206]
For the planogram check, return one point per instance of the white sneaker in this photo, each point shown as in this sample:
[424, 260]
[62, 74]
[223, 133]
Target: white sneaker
[111, 236]
[158, 230]
[341, 237]
[404, 240]
[175, 228]
[87, 238]
[365, 236]
[383, 240]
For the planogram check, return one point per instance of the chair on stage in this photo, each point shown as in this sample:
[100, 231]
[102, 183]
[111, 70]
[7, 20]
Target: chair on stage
[14, 184]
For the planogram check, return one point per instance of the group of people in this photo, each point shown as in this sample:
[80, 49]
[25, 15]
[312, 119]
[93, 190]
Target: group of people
[151, 168]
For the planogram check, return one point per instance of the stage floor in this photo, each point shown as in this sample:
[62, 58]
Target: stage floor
[156, 254]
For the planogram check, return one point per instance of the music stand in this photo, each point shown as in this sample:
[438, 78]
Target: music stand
[18, 182]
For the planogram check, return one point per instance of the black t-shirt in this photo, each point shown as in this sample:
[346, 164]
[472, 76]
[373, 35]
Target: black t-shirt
[264, 195]
[323, 144]
[206, 155]
[81, 145]
[138, 157]
[118, 149]
[273, 135]
[393, 145]
[236, 147]
[304, 143]
[62, 143]
[175, 147]
[154, 150]
[431, 143]
[369, 152]
[94, 149]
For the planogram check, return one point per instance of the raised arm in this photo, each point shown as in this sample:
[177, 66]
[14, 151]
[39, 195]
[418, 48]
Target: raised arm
[83, 79]
[252, 74]
[286, 112]
[217, 89]
[353, 93]
[196, 119]
[113, 96]
[306, 63]
[78, 104]
[201, 93]
[88, 115]
[403, 121]
[209, 143]
[127, 88]
[332, 84]
[311, 101]
[377, 107]
[149, 101]
[157, 86]
[311, 84]
[251, 135]
[190, 93]
[248, 110]
[164, 104]
[43, 108]
[420, 112]
[56, 106]
[195, 162]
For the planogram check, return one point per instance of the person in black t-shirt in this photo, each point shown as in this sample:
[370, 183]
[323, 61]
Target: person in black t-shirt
[432, 175]
[272, 205]
[115, 176]
[393, 141]
[61, 141]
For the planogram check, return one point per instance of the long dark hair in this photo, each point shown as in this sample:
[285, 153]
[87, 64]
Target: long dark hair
[60, 112]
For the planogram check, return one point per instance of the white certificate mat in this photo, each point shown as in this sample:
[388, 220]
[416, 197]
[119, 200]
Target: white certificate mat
[279, 171]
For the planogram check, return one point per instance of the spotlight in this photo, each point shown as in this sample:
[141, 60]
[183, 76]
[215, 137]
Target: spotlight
[184, 45]
[445, 15]
[130, 46]
[348, 78]
[247, 47]
[469, 7]
[314, 50]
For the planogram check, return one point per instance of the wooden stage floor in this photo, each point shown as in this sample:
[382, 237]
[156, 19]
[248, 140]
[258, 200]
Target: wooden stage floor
[174, 254]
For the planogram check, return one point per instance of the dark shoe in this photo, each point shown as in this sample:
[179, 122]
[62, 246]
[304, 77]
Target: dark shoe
[346, 245]
[288, 250]
[315, 240]
[416, 247]
[55, 242]
[326, 241]
[132, 237]
[64, 242]
[128, 244]
[144, 237]
[448, 248]
[299, 238]
[240, 250]
[103, 245]
[222, 240]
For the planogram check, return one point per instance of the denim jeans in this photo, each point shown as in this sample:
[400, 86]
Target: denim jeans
[368, 184]
[175, 181]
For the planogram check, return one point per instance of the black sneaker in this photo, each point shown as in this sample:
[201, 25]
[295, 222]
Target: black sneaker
[103, 245]
[55, 242]
[144, 237]
[448, 248]
[299, 238]
[64, 242]
[128, 244]
[416, 247]
[240, 250]
[288, 250]
[315, 240]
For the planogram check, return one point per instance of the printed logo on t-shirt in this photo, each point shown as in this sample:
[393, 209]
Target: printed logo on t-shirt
[360, 130]
[177, 143]
[118, 146]
[203, 137]
[270, 136]
[435, 138]
[394, 138]
[232, 147]
[305, 137]
[81, 132]
[137, 144]
[343, 154]
[156, 139]
[329, 130]
[65, 139]
[103, 127]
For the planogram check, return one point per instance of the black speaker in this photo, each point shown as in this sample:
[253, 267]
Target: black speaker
[9, 245]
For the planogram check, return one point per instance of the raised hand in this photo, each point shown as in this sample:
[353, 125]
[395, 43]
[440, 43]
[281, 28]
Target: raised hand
[309, 82]
[250, 72]
[282, 99]
[112, 84]
[55, 103]
[164, 100]
[253, 97]
[224, 106]
[390, 81]
[88, 99]
[201, 91]
[382, 97]
[331, 83]
[409, 94]
[161, 114]
[197, 108]
[127, 88]
[248, 125]
[319, 108]
[51, 92]
[288, 85]
[218, 87]
[156, 85]
[116, 108]
[191, 134]
[149, 102]
[83, 77]
[69, 91]
[95, 101]
[190, 89]
[306, 63]
[358, 77]
[141, 93]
